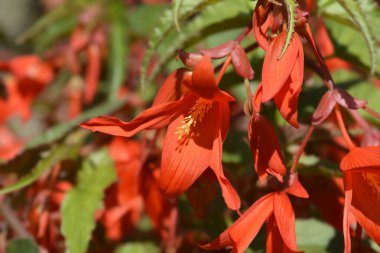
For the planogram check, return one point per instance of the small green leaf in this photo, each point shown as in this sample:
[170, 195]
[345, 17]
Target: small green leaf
[291, 10]
[118, 47]
[177, 5]
[58, 153]
[189, 8]
[357, 14]
[80, 204]
[22, 246]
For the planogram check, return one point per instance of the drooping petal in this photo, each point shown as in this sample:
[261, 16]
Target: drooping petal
[241, 63]
[187, 155]
[203, 79]
[261, 22]
[274, 241]
[287, 98]
[366, 202]
[346, 212]
[265, 148]
[285, 219]
[277, 70]
[229, 194]
[173, 88]
[154, 117]
[242, 232]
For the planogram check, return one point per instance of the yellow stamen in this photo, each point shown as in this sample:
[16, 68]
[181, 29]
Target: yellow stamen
[196, 115]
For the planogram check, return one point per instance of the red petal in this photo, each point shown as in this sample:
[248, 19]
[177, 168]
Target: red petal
[284, 214]
[346, 213]
[265, 148]
[256, 98]
[274, 241]
[287, 98]
[324, 108]
[172, 89]
[155, 117]
[229, 194]
[295, 187]
[220, 51]
[367, 158]
[203, 79]
[366, 202]
[261, 22]
[183, 161]
[241, 63]
[276, 71]
[93, 72]
[240, 234]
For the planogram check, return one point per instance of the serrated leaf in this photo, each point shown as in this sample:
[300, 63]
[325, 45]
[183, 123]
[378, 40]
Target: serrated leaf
[189, 8]
[117, 60]
[176, 7]
[291, 10]
[356, 11]
[80, 204]
[22, 246]
[211, 15]
[58, 153]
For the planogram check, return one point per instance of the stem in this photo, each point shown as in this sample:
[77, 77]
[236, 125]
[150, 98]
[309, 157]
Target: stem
[302, 148]
[223, 69]
[372, 112]
[248, 88]
[11, 218]
[343, 128]
[244, 33]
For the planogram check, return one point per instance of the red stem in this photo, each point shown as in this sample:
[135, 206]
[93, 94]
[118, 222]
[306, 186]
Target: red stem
[302, 148]
[223, 69]
[343, 128]
[372, 112]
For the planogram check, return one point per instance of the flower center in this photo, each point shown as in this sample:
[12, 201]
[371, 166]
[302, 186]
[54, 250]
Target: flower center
[196, 115]
[373, 181]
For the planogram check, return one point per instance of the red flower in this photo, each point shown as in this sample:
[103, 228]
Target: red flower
[198, 124]
[275, 208]
[361, 167]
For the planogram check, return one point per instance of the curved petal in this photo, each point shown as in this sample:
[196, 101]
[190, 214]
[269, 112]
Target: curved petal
[274, 241]
[277, 70]
[362, 158]
[240, 234]
[287, 98]
[173, 89]
[284, 214]
[154, 117]
[265, 148]
[324, 108]
[241, 63]
[346, 212]
[261, 22]
[366, 202]
[185, 158]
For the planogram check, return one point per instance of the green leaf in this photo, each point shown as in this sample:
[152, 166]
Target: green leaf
[57, 132]
[22, 246]
[189, 8]
[315, 236]
[355, 10]
[211, 15]
[176, 6]
[58, 153]
[118, 47]
[138, 247]
[291, 10]
[80, 204]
